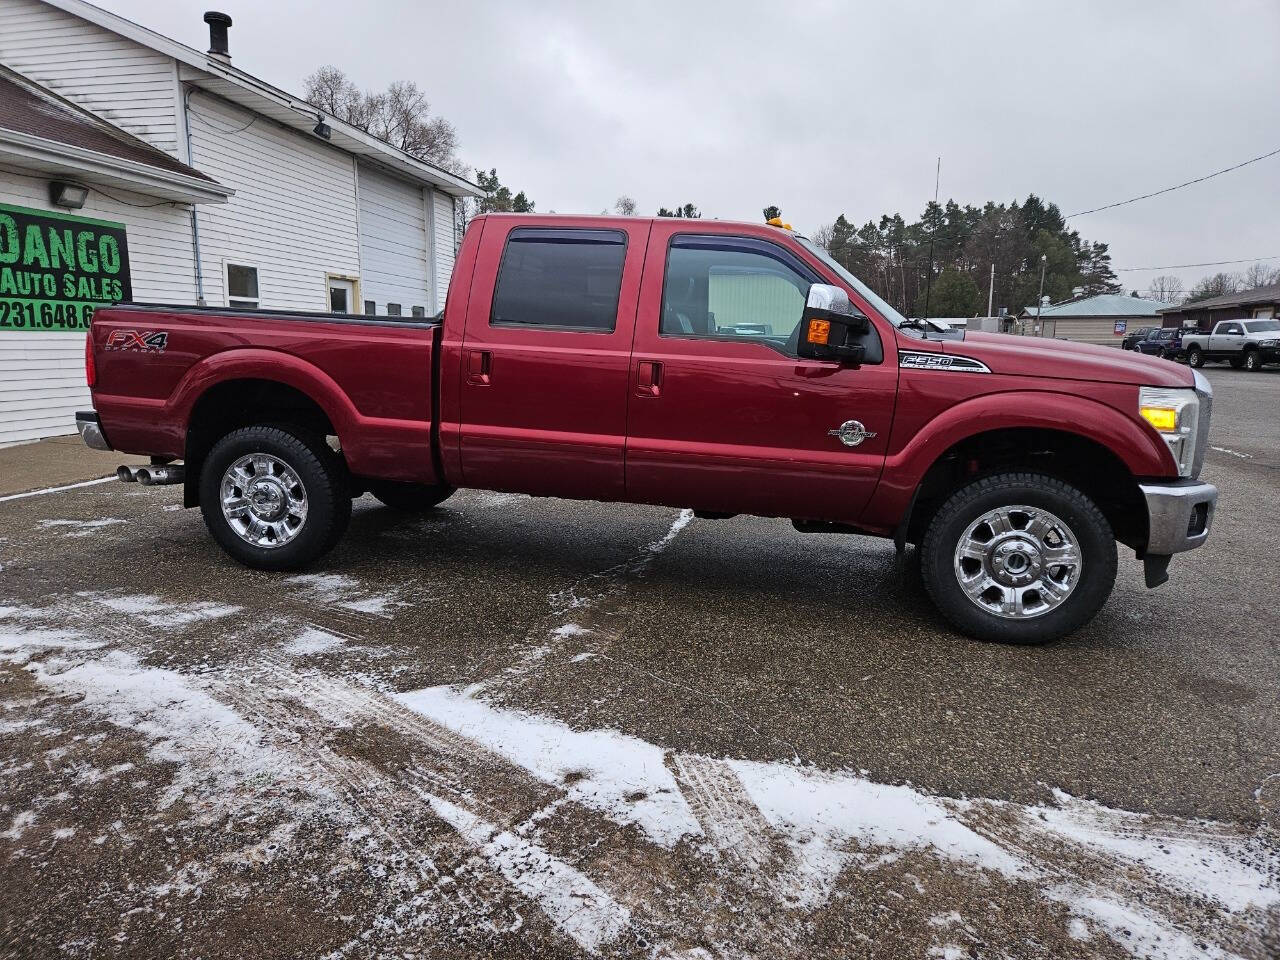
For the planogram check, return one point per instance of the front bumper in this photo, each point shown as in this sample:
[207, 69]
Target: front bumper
[90, 430]
[1179, 515]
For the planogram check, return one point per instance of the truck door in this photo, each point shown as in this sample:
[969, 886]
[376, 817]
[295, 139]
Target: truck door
[724, 416]
[545, 354]
[1226, 337]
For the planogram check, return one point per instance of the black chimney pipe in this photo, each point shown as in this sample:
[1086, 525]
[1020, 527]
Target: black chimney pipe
[218, 23]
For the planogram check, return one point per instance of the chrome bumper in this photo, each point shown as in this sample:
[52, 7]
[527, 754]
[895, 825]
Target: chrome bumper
[90, 430]
[1179, 515]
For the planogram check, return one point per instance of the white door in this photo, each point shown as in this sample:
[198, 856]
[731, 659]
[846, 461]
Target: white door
[342, 295]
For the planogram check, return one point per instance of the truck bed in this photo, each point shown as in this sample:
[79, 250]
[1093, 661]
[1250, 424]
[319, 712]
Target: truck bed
[373, 378]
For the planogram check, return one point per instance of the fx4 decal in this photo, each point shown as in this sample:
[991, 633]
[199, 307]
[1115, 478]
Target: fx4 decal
[146, 341]
[941, 361]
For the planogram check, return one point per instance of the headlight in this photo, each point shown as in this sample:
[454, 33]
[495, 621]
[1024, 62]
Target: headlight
[1175, 414]
[1270, 343]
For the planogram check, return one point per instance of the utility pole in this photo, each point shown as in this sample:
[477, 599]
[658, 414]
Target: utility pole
[991, 288]
[1044, 259]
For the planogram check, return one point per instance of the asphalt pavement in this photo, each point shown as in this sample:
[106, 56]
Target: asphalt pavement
[518, 727]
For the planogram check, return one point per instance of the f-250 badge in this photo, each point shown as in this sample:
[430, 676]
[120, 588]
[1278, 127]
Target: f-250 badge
[147, 341]
[941, 361]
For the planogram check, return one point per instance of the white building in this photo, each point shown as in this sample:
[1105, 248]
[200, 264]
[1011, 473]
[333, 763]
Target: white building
[221, 189]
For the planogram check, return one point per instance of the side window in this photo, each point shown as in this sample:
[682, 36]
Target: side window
[733, 290]
[560, 279]
[1234, 328]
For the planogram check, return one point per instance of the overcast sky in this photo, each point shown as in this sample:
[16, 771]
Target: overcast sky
[827, 108]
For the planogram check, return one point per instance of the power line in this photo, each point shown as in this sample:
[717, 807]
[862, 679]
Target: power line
[1179, 186]
[1180, 266]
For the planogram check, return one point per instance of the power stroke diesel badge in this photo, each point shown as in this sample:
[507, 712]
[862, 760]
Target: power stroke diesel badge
[851, 433]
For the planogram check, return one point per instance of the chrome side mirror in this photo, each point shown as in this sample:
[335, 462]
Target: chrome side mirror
[829, 324]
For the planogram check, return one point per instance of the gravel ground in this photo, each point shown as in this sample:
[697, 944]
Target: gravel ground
[516, 727]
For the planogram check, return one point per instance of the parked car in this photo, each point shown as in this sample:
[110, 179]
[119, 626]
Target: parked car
[1131, 339]
[1242, 343]
[585, 358]
[1166, 342]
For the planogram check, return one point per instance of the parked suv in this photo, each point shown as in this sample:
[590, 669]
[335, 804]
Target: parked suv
[1163, 342]
[1242, 343]
[1131, 339]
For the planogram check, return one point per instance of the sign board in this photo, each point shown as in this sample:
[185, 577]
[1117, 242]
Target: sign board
[56, 269]
[1121, 327]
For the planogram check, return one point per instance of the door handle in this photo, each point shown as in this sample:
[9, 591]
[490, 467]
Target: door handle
[479, 365]
[649, 378]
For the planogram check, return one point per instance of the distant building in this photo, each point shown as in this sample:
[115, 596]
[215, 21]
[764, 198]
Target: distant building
[1261, 302]
[1103, 319]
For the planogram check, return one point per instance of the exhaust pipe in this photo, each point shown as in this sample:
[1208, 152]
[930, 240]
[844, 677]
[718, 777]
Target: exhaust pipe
[158, 475]
[126, 474]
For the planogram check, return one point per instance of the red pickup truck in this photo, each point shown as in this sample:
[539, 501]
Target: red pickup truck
[724, 367]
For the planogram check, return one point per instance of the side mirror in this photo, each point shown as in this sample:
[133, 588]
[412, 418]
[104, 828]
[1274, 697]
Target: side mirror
[829, 324]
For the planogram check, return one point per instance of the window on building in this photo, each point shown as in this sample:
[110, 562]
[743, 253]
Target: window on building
[370, 308]
[419, 311]
[562, 279]
[393, 309]
[242, 285]
[731, 290]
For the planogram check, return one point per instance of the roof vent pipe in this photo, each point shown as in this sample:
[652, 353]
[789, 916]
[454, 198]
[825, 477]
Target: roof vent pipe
[218, 24]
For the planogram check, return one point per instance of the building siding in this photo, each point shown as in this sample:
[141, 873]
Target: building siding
[395, 254]
[124, 82]
[293, 215]
[42, 374]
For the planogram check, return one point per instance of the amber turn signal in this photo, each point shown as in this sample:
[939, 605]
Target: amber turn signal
[819, 331]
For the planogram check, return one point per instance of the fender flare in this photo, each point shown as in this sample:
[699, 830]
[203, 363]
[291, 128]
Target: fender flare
[1138, 447]
[257, 363]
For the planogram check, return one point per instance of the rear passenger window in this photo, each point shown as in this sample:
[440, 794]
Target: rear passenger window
[560, 279]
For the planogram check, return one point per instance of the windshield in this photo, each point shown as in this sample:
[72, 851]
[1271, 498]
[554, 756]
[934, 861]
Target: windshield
[1263, 326]
[886, 311]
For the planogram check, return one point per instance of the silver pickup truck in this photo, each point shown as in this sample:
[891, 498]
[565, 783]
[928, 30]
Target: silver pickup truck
[1242, 343]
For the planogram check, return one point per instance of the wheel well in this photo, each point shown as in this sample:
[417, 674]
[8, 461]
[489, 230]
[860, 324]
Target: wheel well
[1077, 460]
[233, 404]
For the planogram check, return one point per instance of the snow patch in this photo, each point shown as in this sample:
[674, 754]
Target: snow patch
[313, 641]
[598, 768]
[167, 616]
[81, 528]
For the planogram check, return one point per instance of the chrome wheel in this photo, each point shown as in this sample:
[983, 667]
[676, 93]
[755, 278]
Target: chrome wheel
[1018, 562]
[263, 500]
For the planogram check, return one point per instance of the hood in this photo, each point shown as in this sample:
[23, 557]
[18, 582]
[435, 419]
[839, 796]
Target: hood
[1062, 359]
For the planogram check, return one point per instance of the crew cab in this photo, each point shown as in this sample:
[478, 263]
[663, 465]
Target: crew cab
[1242, 343]
[730, 368]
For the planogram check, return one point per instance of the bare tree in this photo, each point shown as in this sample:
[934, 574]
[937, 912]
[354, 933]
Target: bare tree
[1260, 275]
[400, 116]
[624, 206]
[824, 235]
[1167, 288]
[1214, 286]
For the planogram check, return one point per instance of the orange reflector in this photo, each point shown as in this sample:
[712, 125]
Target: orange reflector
[819, 331]
[1162, 418]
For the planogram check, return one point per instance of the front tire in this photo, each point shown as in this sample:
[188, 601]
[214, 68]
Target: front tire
[274, 497]
[1018, 558]
[1195, 357]
[1252, 361]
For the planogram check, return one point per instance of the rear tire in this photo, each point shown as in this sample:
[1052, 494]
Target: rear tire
[1252, 361]
[1052, 602]
[1195, 357]
[409, 497]
[274, 497]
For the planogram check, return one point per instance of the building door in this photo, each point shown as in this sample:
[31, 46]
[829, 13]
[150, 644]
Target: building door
[545, 357]
[724, 415]
[342, 295]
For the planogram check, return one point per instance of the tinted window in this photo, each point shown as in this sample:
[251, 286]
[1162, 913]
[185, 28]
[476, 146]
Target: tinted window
[1263, 326]
[567, 279]
[728, 291]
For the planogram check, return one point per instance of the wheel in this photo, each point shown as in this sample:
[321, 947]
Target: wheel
[274, 497]
[1195, 357]
[409, 497]
[1018, 558]
[1236, 363]
[1252, 360]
